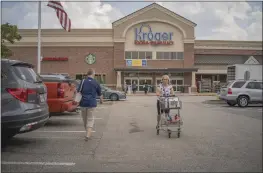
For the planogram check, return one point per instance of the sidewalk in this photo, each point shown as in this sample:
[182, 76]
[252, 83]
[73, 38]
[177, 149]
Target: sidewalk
[178, 94]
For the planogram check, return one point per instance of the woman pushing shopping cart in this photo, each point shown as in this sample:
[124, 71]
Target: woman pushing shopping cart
[168, 108]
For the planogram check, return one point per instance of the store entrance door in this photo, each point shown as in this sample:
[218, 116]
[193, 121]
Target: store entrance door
[177, 83]
[138, 81]
[142, 82]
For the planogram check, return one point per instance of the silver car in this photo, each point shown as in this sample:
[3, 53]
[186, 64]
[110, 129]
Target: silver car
[113, 95]
[242, 92]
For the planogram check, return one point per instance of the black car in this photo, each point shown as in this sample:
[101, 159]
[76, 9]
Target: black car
[23, 101]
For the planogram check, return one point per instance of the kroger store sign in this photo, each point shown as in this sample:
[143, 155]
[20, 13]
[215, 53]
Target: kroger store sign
[150, 37]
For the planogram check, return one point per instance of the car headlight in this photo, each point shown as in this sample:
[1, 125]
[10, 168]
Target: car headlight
[121, 93]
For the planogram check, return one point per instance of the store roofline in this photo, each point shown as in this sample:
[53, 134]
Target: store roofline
[127, 69]
[154, 4]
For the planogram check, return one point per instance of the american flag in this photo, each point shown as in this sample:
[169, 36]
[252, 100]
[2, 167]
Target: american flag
[61, 14]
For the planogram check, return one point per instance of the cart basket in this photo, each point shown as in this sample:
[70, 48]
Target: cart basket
[170, 102]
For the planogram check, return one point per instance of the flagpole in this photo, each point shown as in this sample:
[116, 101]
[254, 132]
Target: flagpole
[39, 39]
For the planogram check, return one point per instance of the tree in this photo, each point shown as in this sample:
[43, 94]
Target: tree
[9, 33]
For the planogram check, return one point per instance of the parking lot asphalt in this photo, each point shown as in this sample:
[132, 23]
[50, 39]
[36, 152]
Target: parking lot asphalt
[214, 138]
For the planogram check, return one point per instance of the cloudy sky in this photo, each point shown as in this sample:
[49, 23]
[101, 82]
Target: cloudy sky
[215, 20]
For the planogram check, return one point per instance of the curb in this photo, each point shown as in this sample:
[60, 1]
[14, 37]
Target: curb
[214, 102]
[212, 94]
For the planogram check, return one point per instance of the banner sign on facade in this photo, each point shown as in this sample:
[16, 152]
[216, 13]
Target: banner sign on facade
[55, 59]
[136, 62]
[153, 38]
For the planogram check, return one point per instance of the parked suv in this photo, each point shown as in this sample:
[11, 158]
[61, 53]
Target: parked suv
[23, 101]
[242, 92]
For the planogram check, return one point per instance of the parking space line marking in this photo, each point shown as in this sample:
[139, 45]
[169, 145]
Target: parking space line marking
[95, 118]
[71, 118]
[46, 131]
[40, 163]
[48, 137]
[59, 131]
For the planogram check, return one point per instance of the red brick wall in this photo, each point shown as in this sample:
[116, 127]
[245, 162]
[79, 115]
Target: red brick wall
[119, 55]
[228, 52]
[188, 78]
[76, 63]
[189, 55]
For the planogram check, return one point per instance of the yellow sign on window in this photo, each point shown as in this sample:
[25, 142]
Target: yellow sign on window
[137, 62]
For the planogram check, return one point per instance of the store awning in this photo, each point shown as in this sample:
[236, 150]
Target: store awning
[176, 70]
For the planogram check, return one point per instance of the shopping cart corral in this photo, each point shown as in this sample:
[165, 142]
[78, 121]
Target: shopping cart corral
[171, 119]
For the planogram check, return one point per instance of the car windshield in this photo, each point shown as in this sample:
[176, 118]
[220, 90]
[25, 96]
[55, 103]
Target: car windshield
[104, 87]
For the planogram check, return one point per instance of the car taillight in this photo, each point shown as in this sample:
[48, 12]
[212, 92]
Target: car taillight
[61, 91]
[229, 91]
[21, 94]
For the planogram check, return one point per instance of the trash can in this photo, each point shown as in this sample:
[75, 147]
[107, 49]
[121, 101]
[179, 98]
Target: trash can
[129, 89]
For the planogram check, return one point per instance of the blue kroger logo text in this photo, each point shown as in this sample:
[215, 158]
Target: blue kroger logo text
[151, 36]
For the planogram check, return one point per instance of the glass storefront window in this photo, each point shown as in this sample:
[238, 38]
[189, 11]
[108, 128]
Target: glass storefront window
[138, 55]
[149, 82]
[173, 82]
[79, 76]
[148, 55]
[128, 81]
[180, 55]
[159, 55]
[128, 55]
[141, 88]
[180, 88]
[141, 82]
[170, 55]
[141, 55]
[166, 55]
[158, 82]
[173, 55]
[135, 55]
[135, 81]
[100, 78]
[179, 82]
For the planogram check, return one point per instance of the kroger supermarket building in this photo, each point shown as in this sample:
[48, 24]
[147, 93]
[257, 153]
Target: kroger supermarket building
[140, 47]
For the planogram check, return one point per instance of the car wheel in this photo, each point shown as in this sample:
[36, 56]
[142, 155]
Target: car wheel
[231, 103]
[242, 101]
[114, 97]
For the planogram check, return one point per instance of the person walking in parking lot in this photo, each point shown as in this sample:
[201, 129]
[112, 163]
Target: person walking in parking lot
[164, 89]
[145, 87]
[134, 87]
[89, 90]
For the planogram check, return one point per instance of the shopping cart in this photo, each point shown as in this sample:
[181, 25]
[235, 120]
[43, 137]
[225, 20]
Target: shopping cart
[170, 120]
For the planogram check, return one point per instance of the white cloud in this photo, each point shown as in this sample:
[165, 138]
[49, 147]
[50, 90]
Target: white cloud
[215, 20]
[82, 15]
[218, 20]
